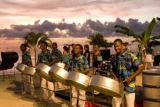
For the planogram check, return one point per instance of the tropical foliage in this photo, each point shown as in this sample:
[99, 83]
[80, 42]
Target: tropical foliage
[98, 39]
[34, 39]
[145, 40]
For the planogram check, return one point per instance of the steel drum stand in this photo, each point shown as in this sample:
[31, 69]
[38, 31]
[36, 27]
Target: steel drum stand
[70, 103]
[26, 82]
[30, 85]
[22, 87]
[92, 96]
[77, 99]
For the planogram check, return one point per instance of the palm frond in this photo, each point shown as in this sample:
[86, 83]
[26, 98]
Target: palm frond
[124, 30]
[154, 43]
[155, 37]
[136, 40]
[33, 39]
[148, 31]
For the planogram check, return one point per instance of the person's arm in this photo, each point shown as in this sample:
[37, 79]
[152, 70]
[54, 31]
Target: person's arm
[52, 62]
[110, 67]
[113, 75]
[57, 57]
[84, 68]
[140, 67]
[38, 60]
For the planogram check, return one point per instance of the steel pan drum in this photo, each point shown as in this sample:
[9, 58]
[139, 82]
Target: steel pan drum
[78, 80]
[106, 85]
[151, 87]
[151, 93]
[151, 103]
[43, 71]
[30, 70]
[156, 67]
[21, 67]
[59, 73]
[62, 65]
[151, 77]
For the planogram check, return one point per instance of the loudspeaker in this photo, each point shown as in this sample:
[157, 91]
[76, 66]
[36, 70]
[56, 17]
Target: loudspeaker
[9, 57]
[8, 60]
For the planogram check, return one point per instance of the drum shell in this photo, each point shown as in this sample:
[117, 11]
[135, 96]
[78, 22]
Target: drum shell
[29, 70]
[151, 93]
[78, 80]
[156, 67]
[151, 103]
[59, 74]
[59, 64]
[21, 67]
[106, 85]
[43, 71]
[151, 83]
[151, 77]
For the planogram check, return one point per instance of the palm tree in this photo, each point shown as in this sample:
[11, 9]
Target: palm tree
[145, 40]
[98, 39]
[32, 39]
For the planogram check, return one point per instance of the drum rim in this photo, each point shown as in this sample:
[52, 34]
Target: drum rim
[152, 100]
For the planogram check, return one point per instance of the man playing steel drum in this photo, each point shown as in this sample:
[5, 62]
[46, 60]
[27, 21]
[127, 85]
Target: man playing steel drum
[26, 59]
[79, 63]
[125, 66]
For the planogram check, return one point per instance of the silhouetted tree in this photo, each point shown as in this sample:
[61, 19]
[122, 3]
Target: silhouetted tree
[34, 39]
[98, 39]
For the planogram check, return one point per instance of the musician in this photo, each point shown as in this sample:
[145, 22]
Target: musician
[44, 57]
[56, 54]
[56, 57]
[78, 64]
[26, 59]
[66, 55]
[47, 88]
[125, 67]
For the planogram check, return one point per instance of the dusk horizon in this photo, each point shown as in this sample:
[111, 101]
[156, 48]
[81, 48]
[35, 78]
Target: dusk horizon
[75, 18]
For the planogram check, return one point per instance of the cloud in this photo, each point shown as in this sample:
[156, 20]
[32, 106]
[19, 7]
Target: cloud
[76, 10]
[63, 29]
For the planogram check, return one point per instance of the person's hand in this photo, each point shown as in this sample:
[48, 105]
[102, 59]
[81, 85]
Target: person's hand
[127, 80]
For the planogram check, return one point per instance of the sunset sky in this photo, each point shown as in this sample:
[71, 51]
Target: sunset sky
[28, 11]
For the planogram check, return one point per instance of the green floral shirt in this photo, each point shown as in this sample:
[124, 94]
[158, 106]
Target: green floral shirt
[124, 65]
[80, 63]
[26, 58]
[45, 57]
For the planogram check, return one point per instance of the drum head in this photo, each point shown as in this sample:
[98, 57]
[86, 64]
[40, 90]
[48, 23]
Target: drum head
[60, 64]
[43, 71]
[59, 74]
[21, 67]
[106, 85]
[78, 80]
[30, 70]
